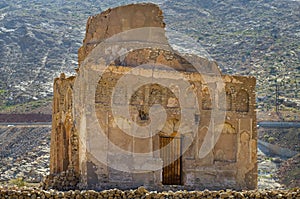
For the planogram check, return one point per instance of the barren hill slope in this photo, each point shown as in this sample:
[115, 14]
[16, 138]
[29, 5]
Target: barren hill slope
[24, 153]
[39, 39]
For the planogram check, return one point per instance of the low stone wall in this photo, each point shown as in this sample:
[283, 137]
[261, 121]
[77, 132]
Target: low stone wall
[24, 193]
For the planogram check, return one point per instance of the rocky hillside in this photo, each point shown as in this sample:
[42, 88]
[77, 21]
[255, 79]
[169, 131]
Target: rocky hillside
[287, 171]
[24, 153]
[39, 39]
[283, 137]
[258, 38]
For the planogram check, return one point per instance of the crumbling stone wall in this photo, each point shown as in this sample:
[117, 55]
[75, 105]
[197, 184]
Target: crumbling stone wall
[64, 161]
[114, 21]
[230, 164]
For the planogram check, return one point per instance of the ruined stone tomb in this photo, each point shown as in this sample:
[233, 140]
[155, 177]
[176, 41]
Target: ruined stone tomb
[139, 113]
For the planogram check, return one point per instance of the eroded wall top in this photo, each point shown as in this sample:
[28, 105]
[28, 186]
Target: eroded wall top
[117, 20]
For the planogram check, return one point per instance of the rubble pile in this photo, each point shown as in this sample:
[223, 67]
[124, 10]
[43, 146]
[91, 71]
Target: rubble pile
[141, 192]
[67, 180]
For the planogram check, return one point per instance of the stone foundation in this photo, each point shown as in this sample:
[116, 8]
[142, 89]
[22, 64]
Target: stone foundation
[66, 180]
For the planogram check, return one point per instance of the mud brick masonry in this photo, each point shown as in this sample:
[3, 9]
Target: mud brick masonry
[231, 163]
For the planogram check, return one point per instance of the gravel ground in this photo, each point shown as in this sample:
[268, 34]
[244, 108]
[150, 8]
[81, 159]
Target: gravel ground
[24, 153]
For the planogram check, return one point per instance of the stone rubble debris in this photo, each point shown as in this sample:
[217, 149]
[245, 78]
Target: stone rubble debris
[141, 192]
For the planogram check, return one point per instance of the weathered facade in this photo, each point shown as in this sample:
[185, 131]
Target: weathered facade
[171, 156]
